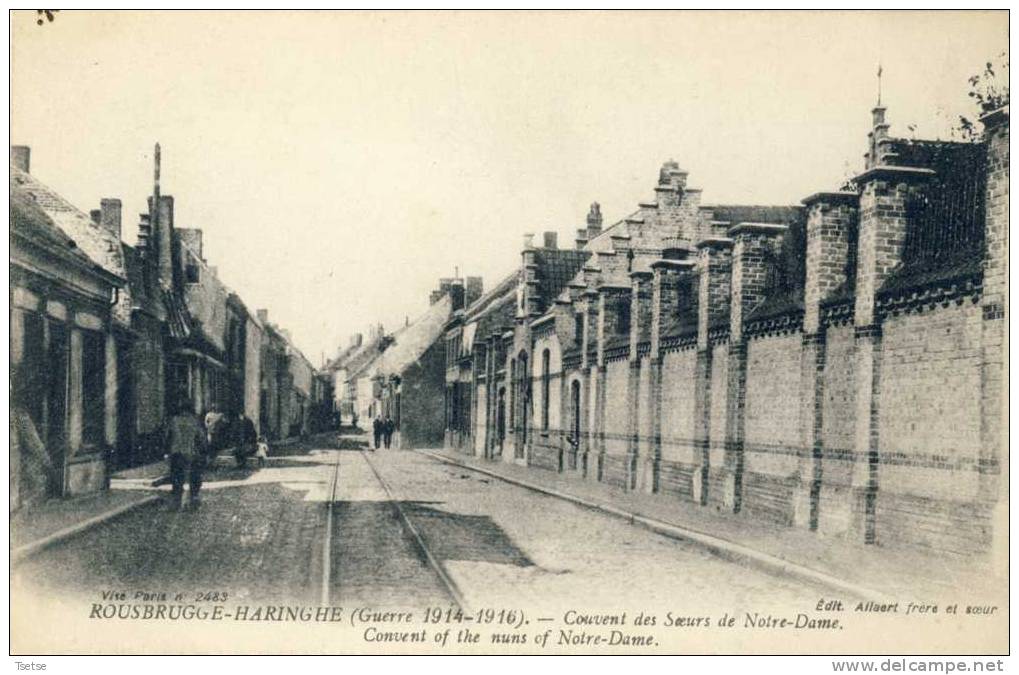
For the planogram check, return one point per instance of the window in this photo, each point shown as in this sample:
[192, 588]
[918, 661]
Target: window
[545, 388]
[623, 314]
[578, 328]
[29, 380]
[191, 273]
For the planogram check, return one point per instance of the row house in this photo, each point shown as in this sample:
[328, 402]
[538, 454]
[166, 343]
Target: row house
[109, 338]
[834, 365]
[401, 375]
[70, 328]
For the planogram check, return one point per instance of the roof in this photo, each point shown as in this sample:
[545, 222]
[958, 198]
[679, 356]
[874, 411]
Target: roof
[507, 285]
[412, 341]
[361, 359]
[63, 222]
[98, 243]
[556, 268]
[31, 221]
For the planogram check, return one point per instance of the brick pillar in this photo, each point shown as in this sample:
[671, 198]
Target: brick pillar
[830, 220]
[994, 455]
[882, 232]
[110, 404]
[714, 270]
[75, 398]
[608, 323]
[588, 445]
[641, 473]
[751, 242]
[663, 303]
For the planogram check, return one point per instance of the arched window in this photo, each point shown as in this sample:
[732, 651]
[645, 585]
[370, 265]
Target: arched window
[545, 382]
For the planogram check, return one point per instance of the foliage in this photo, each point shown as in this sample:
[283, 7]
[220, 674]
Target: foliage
[989, 91]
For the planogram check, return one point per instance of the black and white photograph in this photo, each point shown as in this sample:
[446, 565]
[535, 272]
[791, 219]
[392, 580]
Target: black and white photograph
[510, 333]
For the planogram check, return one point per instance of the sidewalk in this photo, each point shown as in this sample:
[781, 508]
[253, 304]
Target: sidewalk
[145, 474]
[33, 528]
[872, 572]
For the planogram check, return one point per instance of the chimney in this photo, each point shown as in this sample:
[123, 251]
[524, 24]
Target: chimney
[21, 157]
[551, 240]
[96, 215]
[456, 295]
[263, 316]
[163, 236]
[110, 210]
[594, 221]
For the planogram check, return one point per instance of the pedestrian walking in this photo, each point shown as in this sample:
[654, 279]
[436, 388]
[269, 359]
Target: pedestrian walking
[377, 431]
[245, 438]
[387, 431]
[186, 443]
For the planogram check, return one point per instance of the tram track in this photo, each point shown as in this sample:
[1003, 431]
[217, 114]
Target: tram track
[362, 559]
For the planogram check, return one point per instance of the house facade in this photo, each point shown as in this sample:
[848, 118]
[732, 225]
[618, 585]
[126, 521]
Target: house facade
[108, 339]
[69, 314]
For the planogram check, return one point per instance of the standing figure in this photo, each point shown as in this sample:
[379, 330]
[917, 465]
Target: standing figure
[215, 422]
[244, 439]
[262, 454]
[377, 431]
[388, 427]
[186, 446]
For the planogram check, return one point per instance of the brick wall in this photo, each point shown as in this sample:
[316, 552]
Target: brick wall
[771, 441]
[716, 454]
[839, 400]
[772, 404]
[678, 371]
[617, 383]
[930, 403]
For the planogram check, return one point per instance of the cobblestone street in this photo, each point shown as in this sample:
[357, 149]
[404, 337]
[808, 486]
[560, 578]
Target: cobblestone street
[260, 537]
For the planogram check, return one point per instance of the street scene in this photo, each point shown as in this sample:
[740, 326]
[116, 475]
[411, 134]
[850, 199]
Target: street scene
[501, 544]
[451, 354]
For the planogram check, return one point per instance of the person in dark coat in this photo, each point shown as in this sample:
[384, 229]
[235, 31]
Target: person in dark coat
[377, 431]
[388, 427]
[244, 439]
[185, 443]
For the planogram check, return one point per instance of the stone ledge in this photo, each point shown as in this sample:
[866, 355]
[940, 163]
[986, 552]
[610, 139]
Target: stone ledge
[757, 228]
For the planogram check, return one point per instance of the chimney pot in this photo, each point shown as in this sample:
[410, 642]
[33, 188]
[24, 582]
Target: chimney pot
[263, 316]
[551, 240]
[594, 221]
[21, 156]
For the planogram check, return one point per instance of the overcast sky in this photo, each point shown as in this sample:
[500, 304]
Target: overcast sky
[340, 164]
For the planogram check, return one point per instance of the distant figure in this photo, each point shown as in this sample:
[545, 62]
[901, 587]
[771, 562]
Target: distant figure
[388, 427]
[244, 439]
[215, 424]
[353, 420]
[186, 443]
[263, 451]
[377, 431]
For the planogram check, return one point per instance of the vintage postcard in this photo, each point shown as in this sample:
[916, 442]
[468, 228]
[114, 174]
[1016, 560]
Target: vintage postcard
[509, 333]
